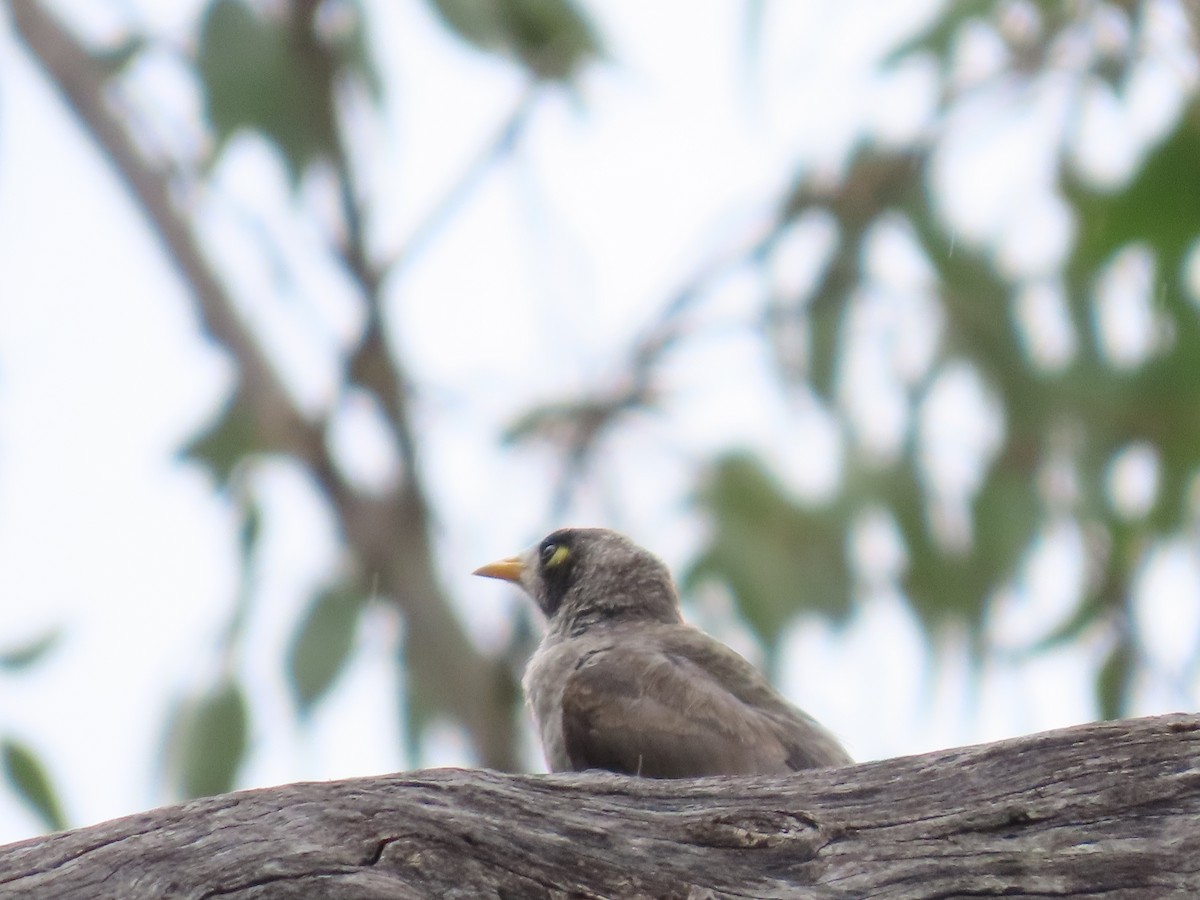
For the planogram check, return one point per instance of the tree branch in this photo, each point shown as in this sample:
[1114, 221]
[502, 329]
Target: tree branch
[1107, 808]
[388, 532]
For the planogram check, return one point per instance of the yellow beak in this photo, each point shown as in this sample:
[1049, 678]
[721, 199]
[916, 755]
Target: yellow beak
[509, 569]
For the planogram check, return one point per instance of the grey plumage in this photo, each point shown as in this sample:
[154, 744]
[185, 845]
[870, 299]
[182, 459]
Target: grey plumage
[620, 682]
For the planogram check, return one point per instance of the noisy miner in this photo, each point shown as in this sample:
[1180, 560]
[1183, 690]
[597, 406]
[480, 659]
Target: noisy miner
[621, 682]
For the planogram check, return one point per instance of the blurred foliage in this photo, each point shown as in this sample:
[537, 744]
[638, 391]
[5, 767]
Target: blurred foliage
[22, 657]
[280, 70]
[322, 644]
[1106, 405]
[776, 555]
[23, 771]
[553, 39]
[230, 440]
[28, 778]
[266, 69]
[207, 740]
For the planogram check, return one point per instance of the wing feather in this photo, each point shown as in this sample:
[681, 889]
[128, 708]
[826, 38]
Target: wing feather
[661, 709]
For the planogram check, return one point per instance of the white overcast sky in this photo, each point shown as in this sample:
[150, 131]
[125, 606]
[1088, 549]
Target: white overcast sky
[668, 154]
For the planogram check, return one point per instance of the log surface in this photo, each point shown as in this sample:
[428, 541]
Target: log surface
[1111, 809]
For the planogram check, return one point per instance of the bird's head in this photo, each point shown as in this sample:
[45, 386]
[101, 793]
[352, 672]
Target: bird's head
[583, 575]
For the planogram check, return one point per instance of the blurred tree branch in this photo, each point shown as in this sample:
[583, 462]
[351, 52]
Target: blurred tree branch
[389, 532]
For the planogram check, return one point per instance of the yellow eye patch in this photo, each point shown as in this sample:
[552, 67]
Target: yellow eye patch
[558, 556]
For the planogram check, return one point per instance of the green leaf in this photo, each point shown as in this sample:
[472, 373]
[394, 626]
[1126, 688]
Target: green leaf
[26, 655]
[877, 182]
[553, 39]
[28, 778]
[939, 38]
[478, 22]
[322, 645]
[955, 586]
[269, 75]
[1161, 205]
[779, 558]
[210, 739]
[230, 439]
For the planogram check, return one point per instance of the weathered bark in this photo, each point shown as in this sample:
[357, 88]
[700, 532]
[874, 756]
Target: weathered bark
[1112, 808]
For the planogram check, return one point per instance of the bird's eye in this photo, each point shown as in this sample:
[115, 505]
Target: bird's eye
[554, 554]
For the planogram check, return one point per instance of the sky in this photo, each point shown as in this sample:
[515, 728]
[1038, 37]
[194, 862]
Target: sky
[104, 374]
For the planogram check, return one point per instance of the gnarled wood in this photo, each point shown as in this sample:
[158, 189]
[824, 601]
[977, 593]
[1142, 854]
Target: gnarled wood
[1111, 808]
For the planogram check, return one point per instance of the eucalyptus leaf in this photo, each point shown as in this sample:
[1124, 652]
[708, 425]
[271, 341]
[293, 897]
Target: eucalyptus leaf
[210, 740]
[322, 645]
[28, 778]
[778, 557]
[25, 655]
[227, 441]
[265, 73]
[553, 39]
[939, 38]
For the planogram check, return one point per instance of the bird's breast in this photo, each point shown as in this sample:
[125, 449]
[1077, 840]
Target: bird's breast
[545, 676]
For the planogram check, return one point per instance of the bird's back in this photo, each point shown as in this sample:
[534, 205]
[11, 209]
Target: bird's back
[667, 700]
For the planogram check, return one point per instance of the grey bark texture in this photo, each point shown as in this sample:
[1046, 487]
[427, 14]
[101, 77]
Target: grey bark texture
[1109, 809]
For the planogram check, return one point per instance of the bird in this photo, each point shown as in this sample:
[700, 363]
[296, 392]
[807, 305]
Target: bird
[621, 683]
